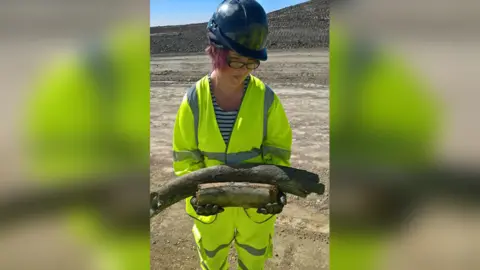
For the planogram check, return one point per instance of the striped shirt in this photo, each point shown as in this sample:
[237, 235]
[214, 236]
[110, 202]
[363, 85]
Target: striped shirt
[225, 119]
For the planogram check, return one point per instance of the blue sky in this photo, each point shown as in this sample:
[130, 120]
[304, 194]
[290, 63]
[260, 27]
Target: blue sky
[171, 12]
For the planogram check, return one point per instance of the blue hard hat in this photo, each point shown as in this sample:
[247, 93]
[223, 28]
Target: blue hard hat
[241, 26]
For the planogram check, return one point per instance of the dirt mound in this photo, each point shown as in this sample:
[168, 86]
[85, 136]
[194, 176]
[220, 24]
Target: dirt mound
[304, 25]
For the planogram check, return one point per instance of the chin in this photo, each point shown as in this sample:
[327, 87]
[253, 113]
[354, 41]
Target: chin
[238, 78]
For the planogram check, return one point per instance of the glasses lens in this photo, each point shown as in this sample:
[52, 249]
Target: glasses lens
[253, 65]
[236, 64]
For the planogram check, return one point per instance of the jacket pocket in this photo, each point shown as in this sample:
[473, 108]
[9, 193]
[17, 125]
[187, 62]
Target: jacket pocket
[255, 217]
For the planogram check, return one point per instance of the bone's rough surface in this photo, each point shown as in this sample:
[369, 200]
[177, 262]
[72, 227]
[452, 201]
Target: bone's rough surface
[248, 195]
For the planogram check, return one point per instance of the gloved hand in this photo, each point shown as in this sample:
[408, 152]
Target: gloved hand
[276, 207]
[205, 210]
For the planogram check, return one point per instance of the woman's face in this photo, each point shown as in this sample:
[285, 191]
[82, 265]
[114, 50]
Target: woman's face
[237, 69]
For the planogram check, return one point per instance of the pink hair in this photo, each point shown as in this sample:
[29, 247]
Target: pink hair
[218, 57]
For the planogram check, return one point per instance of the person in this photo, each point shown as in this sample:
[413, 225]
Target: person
[230, 116]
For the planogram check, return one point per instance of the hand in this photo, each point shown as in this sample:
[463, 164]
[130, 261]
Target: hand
[276, 207]
[205, 210]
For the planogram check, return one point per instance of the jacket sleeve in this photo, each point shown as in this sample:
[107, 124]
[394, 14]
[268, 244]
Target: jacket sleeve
[278, 142]
[186, 156]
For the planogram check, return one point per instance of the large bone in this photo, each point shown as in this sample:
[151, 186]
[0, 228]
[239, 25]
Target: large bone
[289, 180]
[248, 195]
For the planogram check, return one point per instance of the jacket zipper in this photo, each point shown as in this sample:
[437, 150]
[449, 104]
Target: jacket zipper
[236, 118]
[230, 138]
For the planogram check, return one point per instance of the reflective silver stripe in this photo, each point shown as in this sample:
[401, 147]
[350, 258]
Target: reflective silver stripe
[267, 103]
[216, 156]
[205, 265]
[253, 251]
[212, 253]
[242, 265]
[192, 99]
[233, 158]
[278, 152]
[184, 155]
[224, 263]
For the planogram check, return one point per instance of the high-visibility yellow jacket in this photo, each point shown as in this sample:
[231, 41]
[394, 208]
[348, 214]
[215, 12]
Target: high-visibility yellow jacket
[261, 133]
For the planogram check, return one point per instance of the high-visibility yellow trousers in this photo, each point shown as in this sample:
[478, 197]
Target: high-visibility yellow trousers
[251, 232]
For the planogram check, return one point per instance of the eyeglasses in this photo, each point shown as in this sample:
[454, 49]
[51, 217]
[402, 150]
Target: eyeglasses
[237, 64]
